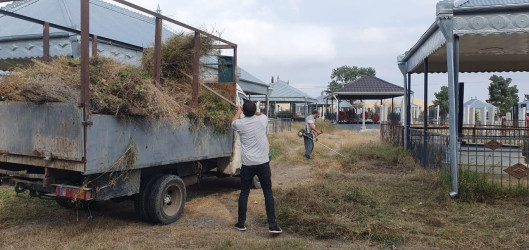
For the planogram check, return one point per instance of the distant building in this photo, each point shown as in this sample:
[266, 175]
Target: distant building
[478, 112]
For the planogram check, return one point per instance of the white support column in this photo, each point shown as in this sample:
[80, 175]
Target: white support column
[483, 116]
[363, 118]
[437, 115]
[492, 114]
[466, 113]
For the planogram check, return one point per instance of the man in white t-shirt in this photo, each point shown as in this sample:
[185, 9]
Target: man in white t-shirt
[255, 161]
[310, 133]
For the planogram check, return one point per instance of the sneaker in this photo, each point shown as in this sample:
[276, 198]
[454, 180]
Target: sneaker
[275, 230]
[240, 227]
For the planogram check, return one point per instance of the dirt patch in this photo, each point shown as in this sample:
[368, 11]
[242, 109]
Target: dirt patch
[288, 175]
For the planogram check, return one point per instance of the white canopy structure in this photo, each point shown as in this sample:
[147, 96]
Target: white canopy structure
[467, 36]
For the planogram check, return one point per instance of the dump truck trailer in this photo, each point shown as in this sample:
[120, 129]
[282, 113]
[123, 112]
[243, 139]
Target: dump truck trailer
[44, 149]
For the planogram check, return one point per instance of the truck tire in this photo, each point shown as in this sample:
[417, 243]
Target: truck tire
[256, 184]
[141, 199]
[166, 200]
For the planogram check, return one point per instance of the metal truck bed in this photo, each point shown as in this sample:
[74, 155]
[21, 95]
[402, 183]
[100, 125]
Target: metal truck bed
[51, 135]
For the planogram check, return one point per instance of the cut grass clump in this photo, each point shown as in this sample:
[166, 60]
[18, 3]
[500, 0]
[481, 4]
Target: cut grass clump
[379, 154]
[333, 207]
[125, 91]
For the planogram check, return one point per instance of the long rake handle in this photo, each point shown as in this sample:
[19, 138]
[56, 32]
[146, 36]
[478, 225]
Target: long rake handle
[212, 90]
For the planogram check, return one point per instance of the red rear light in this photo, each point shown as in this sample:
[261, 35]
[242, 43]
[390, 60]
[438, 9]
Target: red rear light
[72, 192]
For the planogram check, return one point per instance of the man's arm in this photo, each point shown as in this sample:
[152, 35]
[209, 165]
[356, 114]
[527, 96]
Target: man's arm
[237, 115]
[311, 125]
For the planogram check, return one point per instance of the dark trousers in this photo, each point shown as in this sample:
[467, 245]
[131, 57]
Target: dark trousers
[309, 145]
[264, 174]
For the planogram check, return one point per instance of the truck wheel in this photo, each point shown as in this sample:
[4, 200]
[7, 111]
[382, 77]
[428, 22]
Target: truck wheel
[256, 184]
[167, 199]
[141, 199]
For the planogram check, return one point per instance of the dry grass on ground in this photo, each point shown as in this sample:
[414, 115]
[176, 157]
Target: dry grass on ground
[376, 196]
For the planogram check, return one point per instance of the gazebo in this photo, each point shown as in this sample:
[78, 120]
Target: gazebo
[466, 36]
[369, 88]
[282, 93]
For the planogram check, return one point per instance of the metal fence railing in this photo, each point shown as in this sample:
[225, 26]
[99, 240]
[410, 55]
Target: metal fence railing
[392, 133]
[279, 125]
[499, 156]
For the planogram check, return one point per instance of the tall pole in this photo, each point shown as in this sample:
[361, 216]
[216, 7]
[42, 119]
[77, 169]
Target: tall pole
[446, 25]
[196, 69]
[46, 42]
[157, 53]
[85, 71]
[403, 66]
[408, 112]
[425, 116]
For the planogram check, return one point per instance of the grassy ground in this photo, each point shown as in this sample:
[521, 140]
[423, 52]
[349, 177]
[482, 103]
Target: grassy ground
[374, 197]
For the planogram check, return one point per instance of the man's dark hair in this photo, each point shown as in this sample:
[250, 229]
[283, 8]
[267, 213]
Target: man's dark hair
[248, 108]
[315, 112]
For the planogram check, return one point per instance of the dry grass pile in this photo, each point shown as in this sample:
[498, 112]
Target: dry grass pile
[122, 90]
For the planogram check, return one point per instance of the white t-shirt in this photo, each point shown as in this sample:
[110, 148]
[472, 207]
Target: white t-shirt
[254, 143]
[309, 120]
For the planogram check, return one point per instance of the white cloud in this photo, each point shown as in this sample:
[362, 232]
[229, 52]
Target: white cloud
[282, 44]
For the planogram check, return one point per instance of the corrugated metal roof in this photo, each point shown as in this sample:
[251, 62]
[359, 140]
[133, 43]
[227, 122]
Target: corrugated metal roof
[283, 89]
[283, 92]
[477, 104]
[106, 20]
[473, 3]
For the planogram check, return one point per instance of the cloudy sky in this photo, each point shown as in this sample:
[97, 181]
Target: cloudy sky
[303, 40]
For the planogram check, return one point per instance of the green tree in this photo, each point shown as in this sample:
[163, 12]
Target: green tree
[346, 74]
[501, 94]
[441, 99]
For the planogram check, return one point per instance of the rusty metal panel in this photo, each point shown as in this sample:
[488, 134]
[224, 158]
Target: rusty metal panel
[53, 131]
[156, 143]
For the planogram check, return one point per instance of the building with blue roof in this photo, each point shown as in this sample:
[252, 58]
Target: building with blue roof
[286, 100]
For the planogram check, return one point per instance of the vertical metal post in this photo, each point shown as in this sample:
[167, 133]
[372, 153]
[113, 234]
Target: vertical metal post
[461, 94]
[235, 69]
[404, 111]
[196, 68]
[425, 116]
[453, 115]
[85, 43]
[157, 73]
[94, 46]
[408, 112]
[85, 71]
[338, 110]
[46, 42]
[332, 106]
[459, 89]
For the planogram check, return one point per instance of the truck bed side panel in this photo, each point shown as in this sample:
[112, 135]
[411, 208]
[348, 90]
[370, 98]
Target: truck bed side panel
[52, 130]
[157, 143]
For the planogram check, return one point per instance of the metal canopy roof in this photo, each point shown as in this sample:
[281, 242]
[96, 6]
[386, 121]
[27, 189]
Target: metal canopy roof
[369, 88]
[478, 104]
[493, 35]
[283, 92]
[343, 103]
[107, 20]
[251, 84]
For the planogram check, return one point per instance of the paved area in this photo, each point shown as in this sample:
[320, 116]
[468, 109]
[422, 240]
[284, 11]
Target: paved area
[357, 126]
